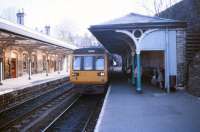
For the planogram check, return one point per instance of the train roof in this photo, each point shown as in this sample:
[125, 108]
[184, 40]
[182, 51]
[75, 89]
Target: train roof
[90, 51]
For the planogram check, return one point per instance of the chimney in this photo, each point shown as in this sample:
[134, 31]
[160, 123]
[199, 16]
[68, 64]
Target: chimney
[47, 30]
[20, 17]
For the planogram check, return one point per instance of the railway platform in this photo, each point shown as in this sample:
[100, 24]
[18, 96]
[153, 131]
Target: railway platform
[124, 110]
[14, 84]
[18, 90]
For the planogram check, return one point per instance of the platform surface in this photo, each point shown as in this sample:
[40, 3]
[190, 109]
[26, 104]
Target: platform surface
[13, 84]
[153, 111]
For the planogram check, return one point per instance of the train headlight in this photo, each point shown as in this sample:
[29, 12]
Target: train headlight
[75, 74]
[102, 73]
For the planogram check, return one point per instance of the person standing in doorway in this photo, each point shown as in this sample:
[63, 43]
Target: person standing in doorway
[160, 78]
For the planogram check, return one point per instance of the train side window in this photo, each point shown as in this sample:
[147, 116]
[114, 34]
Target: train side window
[77, 63]
[99, 63]
[88, 63]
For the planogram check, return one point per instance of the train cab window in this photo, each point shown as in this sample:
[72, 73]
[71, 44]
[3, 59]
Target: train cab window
[99, 63]
[88, 63]
[77, 63]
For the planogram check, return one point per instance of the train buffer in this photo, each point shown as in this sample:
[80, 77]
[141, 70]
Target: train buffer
[153, 111]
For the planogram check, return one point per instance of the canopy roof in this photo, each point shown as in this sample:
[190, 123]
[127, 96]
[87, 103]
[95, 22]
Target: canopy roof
[118, 42]
[133, 20]
[10, 31]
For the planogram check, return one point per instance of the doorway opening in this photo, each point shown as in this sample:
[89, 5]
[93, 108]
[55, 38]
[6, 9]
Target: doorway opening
[153, 72]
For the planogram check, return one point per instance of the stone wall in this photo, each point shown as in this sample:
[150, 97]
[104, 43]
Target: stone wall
[189, 11]
[194, 76]
[181, 61]
[17, 97]
[186, 10]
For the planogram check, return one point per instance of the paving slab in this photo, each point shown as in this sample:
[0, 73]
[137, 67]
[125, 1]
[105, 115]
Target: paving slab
[153, 111]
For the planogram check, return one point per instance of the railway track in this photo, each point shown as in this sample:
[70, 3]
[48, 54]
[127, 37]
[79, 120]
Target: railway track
[17, 118]
[77, 116]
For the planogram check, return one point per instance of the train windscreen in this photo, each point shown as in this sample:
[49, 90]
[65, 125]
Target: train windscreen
[88, 63]
[99, 63]
[77, 63]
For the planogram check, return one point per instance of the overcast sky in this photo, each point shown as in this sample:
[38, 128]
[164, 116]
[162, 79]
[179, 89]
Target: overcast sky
[79, 14]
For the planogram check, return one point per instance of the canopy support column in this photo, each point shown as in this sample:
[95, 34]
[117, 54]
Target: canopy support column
[133, 67]
[30, 67]
[47, 64]
[138, 88]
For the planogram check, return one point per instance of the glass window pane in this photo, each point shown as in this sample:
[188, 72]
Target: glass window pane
[99, 63]
[77, 63]
[88, 63]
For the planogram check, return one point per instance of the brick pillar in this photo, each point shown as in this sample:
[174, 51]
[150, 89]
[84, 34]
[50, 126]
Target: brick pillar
[181, 57]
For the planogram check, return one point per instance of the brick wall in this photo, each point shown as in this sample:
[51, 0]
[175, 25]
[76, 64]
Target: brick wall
[14, 98]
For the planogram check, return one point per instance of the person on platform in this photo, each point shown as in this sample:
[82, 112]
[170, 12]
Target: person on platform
[160, 78]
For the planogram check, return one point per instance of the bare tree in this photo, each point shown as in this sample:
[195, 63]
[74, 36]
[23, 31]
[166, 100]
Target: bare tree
[9, 14]
[159, 5]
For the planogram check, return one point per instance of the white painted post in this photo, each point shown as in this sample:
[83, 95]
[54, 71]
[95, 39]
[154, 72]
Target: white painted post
[167, 61]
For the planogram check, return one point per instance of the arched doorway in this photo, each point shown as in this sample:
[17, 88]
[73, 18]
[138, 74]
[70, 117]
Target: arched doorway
[13, 65]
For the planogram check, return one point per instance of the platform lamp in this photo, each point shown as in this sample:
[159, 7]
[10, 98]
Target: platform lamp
[1, 66]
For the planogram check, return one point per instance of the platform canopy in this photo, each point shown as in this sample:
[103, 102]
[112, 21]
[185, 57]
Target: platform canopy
[120, 43]
[18, 35]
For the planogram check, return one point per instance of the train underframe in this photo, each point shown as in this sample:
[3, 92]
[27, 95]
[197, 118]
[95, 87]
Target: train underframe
[90, 88]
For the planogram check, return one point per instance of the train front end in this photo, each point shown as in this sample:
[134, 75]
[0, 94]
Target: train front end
[89, 70]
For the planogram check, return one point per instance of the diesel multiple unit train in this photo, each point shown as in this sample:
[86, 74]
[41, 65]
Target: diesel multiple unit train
[89, 70]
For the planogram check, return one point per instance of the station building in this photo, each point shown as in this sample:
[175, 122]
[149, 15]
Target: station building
[24, 52]
[146, 43]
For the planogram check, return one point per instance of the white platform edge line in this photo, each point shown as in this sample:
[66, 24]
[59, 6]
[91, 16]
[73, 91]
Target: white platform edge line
[102, 111]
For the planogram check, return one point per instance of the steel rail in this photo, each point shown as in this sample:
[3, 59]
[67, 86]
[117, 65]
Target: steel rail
[61, 114]
[10, 123]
